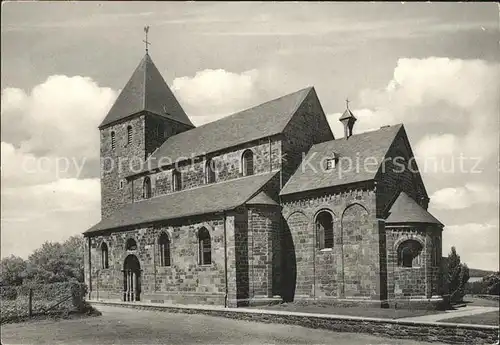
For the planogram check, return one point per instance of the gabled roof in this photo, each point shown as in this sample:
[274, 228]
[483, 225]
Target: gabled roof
[310, 175]
[146, 90]
[201, 200]
[406, 210]
[262, 199]
[261, 121]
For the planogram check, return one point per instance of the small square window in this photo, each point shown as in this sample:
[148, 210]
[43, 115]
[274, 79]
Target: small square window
[330, 164]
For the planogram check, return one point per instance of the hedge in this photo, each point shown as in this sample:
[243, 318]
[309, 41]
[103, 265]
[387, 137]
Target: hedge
[15, 300]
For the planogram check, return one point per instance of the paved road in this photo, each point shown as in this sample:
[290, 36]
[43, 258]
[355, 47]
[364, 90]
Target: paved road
[129, 326]
[465, 311]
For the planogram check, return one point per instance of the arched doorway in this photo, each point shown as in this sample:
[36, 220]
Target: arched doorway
[131, 279]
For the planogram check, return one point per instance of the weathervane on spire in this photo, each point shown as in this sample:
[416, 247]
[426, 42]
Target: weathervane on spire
[146, 29]
[346, 101]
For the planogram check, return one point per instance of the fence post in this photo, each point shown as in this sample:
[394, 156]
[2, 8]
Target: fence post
[30, 303]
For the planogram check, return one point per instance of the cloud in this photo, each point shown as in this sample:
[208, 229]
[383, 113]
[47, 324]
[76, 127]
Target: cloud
[476, 243]
[57, 118]
[462, 197]
[49, 142]
[451, 104]
[52, 211]
[436, 89]
[211, 94]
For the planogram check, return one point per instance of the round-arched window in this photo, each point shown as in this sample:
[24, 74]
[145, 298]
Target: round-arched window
[409, 253]
[131, 244]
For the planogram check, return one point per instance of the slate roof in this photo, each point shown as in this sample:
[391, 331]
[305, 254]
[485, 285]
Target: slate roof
[369, 144]
[261, 121]
[201, 200]
[146, 90]
[406, 210]
[347, 114]
[262, 199]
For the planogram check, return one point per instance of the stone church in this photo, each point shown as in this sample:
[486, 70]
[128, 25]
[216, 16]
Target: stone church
[262, 206]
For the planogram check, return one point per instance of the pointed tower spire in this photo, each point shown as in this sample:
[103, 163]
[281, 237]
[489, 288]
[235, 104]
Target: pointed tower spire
[348, 119]
[147, 91]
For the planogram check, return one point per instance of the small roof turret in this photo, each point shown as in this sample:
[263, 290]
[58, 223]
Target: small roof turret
[348, 119]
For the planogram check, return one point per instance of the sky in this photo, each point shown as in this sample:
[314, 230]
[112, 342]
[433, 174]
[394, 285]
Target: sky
[433, 66]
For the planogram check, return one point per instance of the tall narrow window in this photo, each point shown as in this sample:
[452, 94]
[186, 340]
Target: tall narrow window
[129, 135]
[247, 163]
[324, 230]
[205, 247]
[164, 249]
[146, 188]
[209, 172]
[176, 180]
[104, 255]
[113, 140]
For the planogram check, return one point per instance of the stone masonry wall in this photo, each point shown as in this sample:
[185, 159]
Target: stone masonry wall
[128, 158]
[115, 162]
[307, 127]
[227, 164]
[153, 139]
[184, 281]
[264, 250]
[421, 280]
[351, 268]
[393, 178]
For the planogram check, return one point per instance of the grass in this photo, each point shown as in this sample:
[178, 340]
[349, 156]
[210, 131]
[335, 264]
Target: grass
[375, 312]
[480, 302]
[490, 318]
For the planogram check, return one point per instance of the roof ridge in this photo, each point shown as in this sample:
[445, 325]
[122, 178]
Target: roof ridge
[255, 106]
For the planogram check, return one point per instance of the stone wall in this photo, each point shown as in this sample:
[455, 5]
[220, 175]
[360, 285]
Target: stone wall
[393, 178]
[423, 279]
[264, 250]
[128, 158]
[227, 165]
[348, 270]
[307, 127]
[153, 138]
[115, 163]
[252, 266]
[185, 276]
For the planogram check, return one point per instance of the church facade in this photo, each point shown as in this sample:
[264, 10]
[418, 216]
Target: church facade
[262, 206]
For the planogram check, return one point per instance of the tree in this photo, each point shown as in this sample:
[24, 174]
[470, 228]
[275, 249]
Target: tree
[12, 270]
[493, 283]
[457, 275]
[57, 262]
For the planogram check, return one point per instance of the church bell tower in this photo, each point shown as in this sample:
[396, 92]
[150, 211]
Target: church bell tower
[145, 114]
